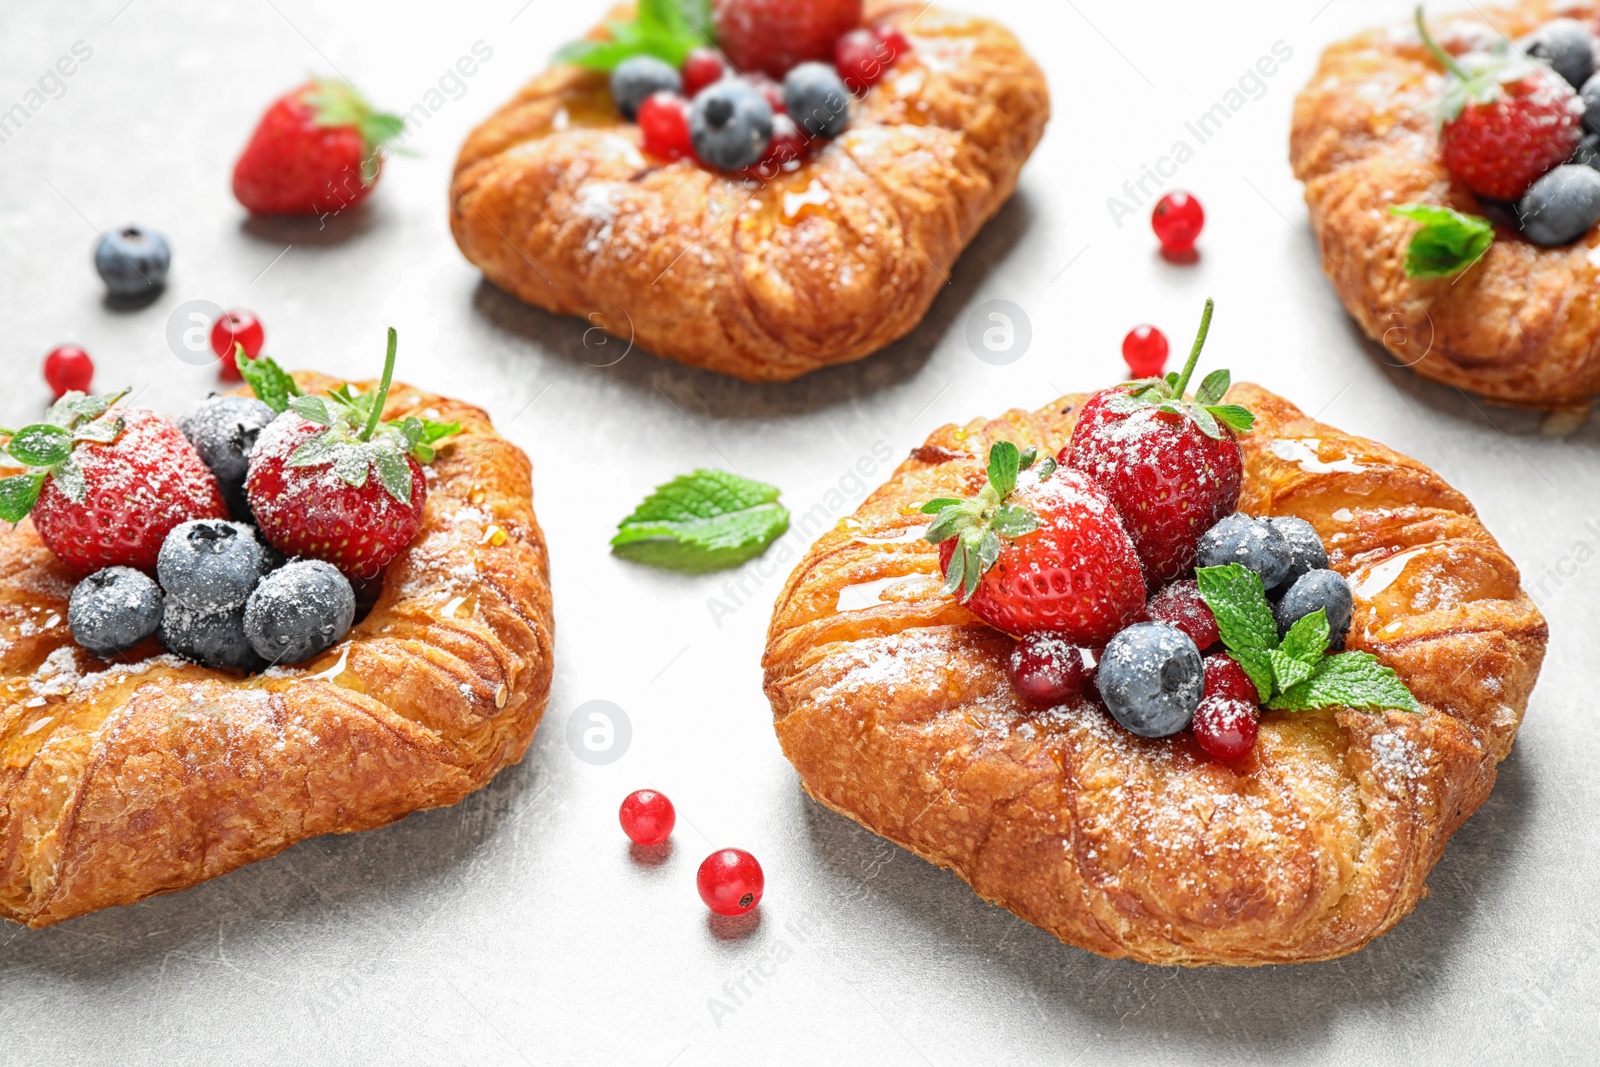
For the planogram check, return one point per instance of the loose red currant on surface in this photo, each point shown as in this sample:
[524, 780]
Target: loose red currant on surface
[1046, 669]
[664, 121]
[236, 327]
[702, 67]
[1177, 220]
[647, 817]
[67, 368]
[730, 881]
[1225, 678]
[1145, 350]
[1225, 728]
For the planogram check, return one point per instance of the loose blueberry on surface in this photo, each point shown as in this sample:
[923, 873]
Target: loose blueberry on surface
[1305, 546]
[730, 124]
[647, 817]
[1177, 220]
[636, 78]
[1323, 589]
[816, 98]
[1257, 545]
[1046, 670]
[132, 262]
[236, 327]
[209, 565]
[1565, 44]
[223, 429]
[299, 610]
[211, 639]
[1151, 678]
[664, 122]
[730, 881]
[1179, 604]
[1145, 351]
[702, 67]
[1226, 728]
[68, 368]
[1561, 206]
[1591, 103]
[1225, 678]
[114, 609]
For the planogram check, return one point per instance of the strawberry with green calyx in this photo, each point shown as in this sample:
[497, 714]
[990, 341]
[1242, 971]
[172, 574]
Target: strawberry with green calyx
[330, 479]
[1039, 549]
[1170, 464]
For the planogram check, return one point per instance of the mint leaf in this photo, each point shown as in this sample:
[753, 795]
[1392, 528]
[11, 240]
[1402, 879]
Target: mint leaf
[40, 445]
[702, 521]
[1349, 680]
[1004, 462]
[1236, 597]
[1448, 243]
[1286, 670]
[270, 382]
[1307, 639]
[18, 494]
[1258, 666]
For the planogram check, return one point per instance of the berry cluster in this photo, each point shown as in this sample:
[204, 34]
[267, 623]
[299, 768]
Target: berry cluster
[730, 880]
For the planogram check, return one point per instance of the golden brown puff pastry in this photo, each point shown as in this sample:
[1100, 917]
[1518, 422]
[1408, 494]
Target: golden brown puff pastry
[892, 702]
[1522, 326]
[121, 780]
[825, 264]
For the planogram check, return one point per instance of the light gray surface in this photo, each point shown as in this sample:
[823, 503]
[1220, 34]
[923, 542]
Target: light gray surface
[516, 927]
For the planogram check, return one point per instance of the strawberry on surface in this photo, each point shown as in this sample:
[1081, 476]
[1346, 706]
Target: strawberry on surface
[1170, 465]
[1038, 550]
[316, 150]
[774, 35]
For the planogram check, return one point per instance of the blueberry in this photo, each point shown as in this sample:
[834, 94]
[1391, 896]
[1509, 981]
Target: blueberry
[296, 612]
[1305, 547]
[1591, 103]
[223, 429]
[1561, 206]
[1260, 546]
[636, 77]
[1587, 154]
[210, 565]
[730, 124]
[132, 262]
[1565, 44]
[211, 639]
[1151, 678]
[1315, 589]
[114, 609]
[815, 97]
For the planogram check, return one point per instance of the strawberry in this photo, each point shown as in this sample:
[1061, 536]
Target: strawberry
[1505, 119]
[1170, 465]
[330, 480]
[1038, 550]
[774, 35]
[315, 151]
[105, 487]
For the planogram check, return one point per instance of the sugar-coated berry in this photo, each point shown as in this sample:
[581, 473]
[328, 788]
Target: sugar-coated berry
[702, 67]
[133, 262]
[1177, 220]
[1259, 546]
[114, 609]
[1145, 351]
[236, 327]
[1046, 670]
[636, 77]
[1567, 45]
[664, 124]
[1226, 728]
[730, 124]
[647, 817]
[210, 565]
[223, 429]
[1588, 151]
[730, 881]
[1151, 678]
[212, 639]
[862, 57]
[1305, 545]
[1591, 103]
[1323, 589]
[1180, 604]
[1225, 678]
[816, 98]
[299, 610]
[1561, 206]
[67, 369]
[785, 151]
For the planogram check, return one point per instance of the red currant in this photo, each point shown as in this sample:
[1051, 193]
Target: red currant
[1225, 678]
[861, 58]
[1145, 350]
[68, 368]
[772, 90]
[1225, 728]
[702, 67]
[895, 40]
[788, 145]
[1177, 220]
[730, 881]
[236, 327]
[1180, 605]
[647, 817]
[1046, 669]
[664, 121]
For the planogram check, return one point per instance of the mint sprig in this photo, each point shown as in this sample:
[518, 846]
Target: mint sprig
[706, 520]
[271, 383]
[979, 522]
[1448, 243]
[45, 450]
[1206, 410]
[1295, 673]
[666, 29]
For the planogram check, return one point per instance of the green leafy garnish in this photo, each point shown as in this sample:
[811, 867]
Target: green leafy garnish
[979, 522]
[666, 29]
[1206, 410]
[705, 520]
[1296, 673]
[271, 383]
[1448, 243]
[45, 450]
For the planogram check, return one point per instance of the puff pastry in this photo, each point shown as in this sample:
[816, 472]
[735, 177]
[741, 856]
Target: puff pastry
[1522, 326]
[893, 704]
[121, 780]
[825, 264]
